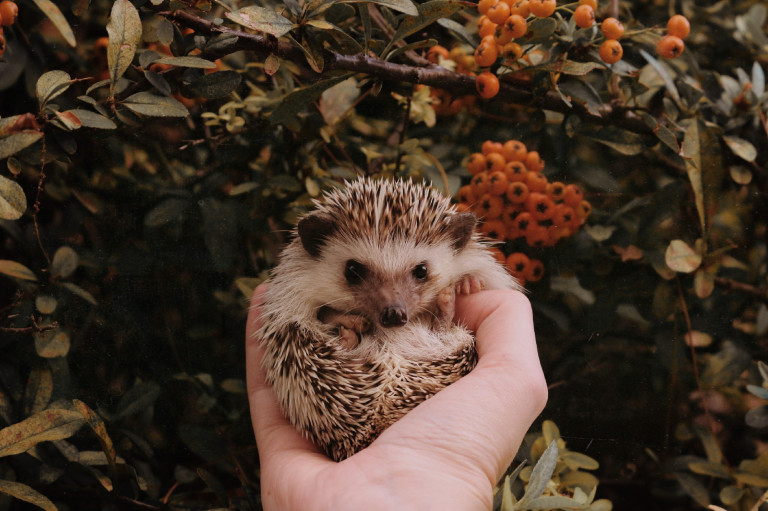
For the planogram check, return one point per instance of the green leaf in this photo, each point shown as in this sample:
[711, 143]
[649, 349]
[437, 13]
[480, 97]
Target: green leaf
[681, 257]
[694, 488]
[17, 133]
[662, 132]
[16, 270]
[708, 468]
[124, 29]
[539, 30]
[93, 120]
[619, 140]
[57, 18]
[458, 29]
[299, 99]
[663, 73]
[27, 494]
[137, 399]
[13, 202]
[146, 103]
[194, 62]
[730, 495]
[48, 425]
[215, 85]
[541, 474]
[741, 148]
[703, 162]
[52, 343]
[50, 85]
[261, 19]
[65, 262]
[577, 460]
[552, 502]
[79, 291]
[405, 6]
[46, 304]
[428, 13]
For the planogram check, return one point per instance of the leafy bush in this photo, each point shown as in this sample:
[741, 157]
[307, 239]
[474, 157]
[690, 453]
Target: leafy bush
[156, 152]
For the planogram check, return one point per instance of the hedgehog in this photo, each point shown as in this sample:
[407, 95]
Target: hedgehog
[358, 318]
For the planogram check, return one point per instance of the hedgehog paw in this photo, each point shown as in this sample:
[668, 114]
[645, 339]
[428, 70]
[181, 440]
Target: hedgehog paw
[348, 338]
[469, 284]
[446, 307]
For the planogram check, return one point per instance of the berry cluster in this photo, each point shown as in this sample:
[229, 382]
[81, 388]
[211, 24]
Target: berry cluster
[671, 45]
[514, 200]
[445, 103]
[9, 11]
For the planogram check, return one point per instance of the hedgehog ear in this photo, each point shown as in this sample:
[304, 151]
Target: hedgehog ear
[314, 229]
[461, 227]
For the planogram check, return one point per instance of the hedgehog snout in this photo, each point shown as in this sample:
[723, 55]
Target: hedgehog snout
[393, 315]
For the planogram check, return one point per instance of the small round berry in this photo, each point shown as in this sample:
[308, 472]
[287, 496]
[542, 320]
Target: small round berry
[437, 51]
[499, 12]
[511, 52]
[517, 192]
[679, 26]
[535, 271]
[540, 206]
[489, 146]
[9, 11]
[556, 191]
[515, 25]
[494, 229]
[591, 3]
[583, 209]
[487, 84]
[573, 195]
[467, 195]
[489, 207]
[514, 150]
[584, 16]
[533, 161]
[486, 27]
[542, 8]
[564, 216]
[486, 54]
[476, 163]
[520, 7]
[537, 236]
[498, 181]
[612, 28]
[515, 171]
[611, 51]
[484, 5]
[536, 182]
[480, 183]
[670, 47]
[517, 263]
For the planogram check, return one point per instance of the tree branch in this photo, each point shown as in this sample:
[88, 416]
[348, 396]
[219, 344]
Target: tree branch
[760, 294]
[434, 76]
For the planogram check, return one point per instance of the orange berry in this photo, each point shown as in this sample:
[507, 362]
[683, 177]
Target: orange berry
[437, 51]
[494, 229]
[536, 182]
[508, 217]
[556, 191]
[2, 42]
[462, 207]
[670, 47]
[564, 216]
[533, 161]
[511, 52]
[495, 162]
[583, 209]
[534, 271]
[523, 222]
[591, 3]
[476, 163]
[537, 236]
[573, 195]
[484, 5]
[467, 195]
[489, 207]
[9, 11]
[584, 16]
[520, 7]
[503, 37]
[542, 8]
[486, 27]
[517, 264]
[517, 192]
[498, 13]
[515, 25]
[515, 171]
[514, 150]
[612, 28]
[540, 206]
[679, 26]
[100, 46]
[611, 51]
[498, 183]
[489, 146]
[486, 54]
[487, 85]
[480, 183]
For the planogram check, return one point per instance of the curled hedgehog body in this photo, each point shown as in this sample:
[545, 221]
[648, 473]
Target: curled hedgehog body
[357, 321]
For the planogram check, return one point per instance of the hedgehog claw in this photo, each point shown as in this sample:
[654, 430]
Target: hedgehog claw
[446, 307]
[469, 284]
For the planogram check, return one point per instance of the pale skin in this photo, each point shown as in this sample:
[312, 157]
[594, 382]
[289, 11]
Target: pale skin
[447, 453]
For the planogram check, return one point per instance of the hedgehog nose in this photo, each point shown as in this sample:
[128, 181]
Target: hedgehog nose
[393, 316]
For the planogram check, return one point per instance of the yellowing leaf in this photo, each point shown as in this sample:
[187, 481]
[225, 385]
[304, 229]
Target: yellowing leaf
[16, 270]
[124, 29]
[27, 494]
[57, 18]
[52, 343]
[681, 257]
[51, 84]
[65, 262]
[262, 19]
[13, 202]
[45, 426]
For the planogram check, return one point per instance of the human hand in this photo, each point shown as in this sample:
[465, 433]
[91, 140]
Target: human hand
[447, 453]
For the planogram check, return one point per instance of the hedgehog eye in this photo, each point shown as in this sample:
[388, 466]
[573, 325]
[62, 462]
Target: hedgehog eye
[419, 271]
[355, 272]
